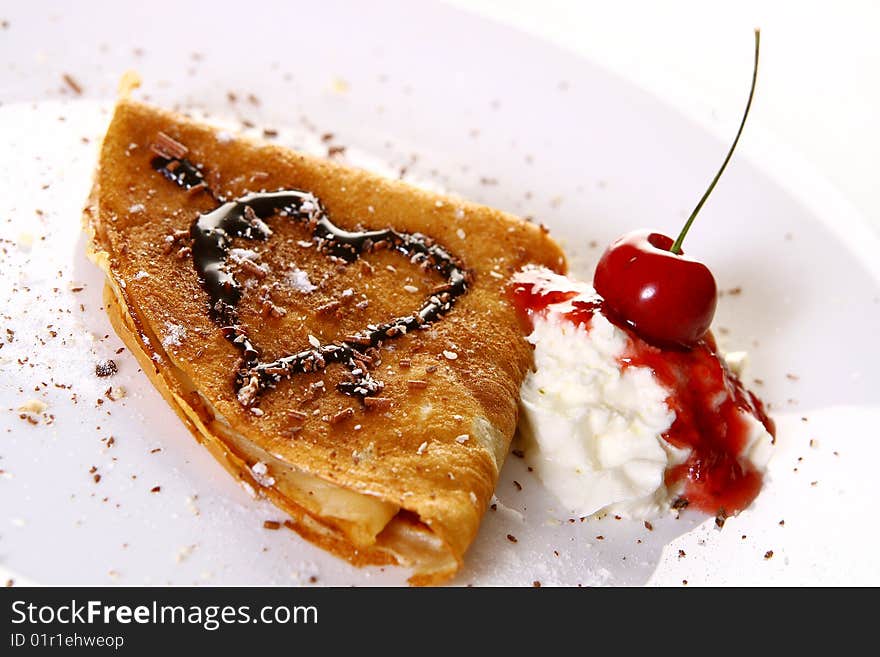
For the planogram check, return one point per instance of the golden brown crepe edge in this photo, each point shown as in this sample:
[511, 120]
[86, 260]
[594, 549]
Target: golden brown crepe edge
[216, 445]
[311, 527]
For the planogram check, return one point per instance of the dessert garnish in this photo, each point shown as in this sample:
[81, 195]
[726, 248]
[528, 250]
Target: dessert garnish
[619, 424]
[632, 406]
[649, 284]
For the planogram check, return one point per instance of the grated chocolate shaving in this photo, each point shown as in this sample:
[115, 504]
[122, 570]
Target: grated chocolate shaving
[73, 84]
[105, 368]
[377, 402]
[168, 148]
[327, 308]
[342, 415]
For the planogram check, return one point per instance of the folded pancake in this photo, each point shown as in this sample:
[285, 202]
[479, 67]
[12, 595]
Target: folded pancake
[343, 347]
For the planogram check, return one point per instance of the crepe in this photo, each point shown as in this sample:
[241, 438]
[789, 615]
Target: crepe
[391, 454]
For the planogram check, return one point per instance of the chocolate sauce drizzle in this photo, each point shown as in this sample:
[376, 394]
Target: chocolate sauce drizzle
[213, 233]
[181, 172]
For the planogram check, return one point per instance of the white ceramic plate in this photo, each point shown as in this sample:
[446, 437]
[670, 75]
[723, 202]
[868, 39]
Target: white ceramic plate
[479, 110]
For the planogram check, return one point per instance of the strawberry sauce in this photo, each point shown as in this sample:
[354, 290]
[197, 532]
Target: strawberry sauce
[710, 402]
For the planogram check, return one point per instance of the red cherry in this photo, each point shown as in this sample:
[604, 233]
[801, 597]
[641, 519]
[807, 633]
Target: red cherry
[647, 283]
[667, 299]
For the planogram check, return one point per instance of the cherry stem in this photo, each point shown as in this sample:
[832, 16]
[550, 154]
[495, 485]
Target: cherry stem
[676, 247]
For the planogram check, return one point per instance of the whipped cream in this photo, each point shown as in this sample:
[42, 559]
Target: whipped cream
[595, 429]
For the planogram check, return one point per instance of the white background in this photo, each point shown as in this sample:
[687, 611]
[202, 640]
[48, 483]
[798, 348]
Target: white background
[818, 89]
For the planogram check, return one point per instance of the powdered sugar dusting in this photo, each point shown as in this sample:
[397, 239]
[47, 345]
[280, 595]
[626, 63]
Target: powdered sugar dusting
[261, 474]
[175, 334]
[299, 280]
[239, 255]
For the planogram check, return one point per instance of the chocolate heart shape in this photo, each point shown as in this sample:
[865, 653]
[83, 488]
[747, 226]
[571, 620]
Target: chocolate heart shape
[212, 234]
